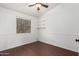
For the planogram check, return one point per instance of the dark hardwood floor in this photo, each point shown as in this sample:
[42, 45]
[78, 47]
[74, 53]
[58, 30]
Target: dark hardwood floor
[38, 49]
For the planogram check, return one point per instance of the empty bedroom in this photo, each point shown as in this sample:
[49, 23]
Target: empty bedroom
[39, 29]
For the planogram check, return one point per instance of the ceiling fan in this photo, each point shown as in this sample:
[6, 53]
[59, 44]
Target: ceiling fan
[38, 5]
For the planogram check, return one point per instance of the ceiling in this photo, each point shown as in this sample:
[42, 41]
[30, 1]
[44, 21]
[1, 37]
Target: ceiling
[23, 7]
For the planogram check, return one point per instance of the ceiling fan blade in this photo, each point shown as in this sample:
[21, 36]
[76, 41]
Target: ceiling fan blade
[31, 5]
[46, 6]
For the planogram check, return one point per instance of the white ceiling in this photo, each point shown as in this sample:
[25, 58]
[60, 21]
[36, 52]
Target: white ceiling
[23, 7]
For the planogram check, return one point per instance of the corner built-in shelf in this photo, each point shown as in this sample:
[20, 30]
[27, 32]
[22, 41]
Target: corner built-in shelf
[42, 24]
[41, 28]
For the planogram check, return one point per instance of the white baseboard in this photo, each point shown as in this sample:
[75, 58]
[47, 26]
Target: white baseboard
[18, 45]
[54, 43]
